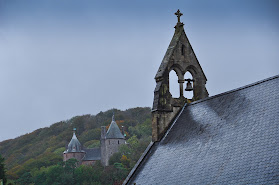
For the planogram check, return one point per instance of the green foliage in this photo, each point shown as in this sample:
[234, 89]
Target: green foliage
[53, 174]
[115, 158]
[92, 144]
[2, 170]
[26, 178]
[89, 174]
[90, 135]
[37, 157]
[142, 130]
[59, 151]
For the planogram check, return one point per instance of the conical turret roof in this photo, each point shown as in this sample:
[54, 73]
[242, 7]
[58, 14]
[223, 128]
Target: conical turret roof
[114, 131]
[74, 145]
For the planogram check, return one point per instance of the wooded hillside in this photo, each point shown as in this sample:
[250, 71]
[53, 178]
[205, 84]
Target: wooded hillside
[43, 148]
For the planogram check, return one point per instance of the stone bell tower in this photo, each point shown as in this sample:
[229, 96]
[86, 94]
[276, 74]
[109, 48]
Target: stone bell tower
[181, 58]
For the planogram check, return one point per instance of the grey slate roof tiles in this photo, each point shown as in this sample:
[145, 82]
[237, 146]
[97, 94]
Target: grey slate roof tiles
[231, 138]
[74, 145]
[114, 131]
[92, 154]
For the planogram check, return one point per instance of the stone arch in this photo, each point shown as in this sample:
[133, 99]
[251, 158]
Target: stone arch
[178, 69]
[192, 70]
[199, 90]
[173, 84]
[180, 76]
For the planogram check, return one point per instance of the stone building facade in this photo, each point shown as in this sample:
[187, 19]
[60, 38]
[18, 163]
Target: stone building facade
[181, 58]
[229, 138]
[110, 140]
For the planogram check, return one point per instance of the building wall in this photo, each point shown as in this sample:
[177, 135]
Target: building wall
[88, 162]
[111, 147]
[103, 145]
[76, 155]
[103, 151]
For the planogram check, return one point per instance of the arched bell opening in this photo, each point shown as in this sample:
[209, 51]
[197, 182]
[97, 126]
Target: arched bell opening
[189, 85]
[173, 84]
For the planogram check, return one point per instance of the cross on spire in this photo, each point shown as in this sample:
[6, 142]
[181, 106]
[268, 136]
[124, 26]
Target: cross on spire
[178, 14]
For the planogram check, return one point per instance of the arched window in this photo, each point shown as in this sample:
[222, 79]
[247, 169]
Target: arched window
[173, 84]
[188, 94]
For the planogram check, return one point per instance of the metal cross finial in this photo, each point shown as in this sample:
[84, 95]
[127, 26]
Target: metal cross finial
[178, 14]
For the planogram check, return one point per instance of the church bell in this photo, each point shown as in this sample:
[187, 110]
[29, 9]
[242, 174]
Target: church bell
[189, 86]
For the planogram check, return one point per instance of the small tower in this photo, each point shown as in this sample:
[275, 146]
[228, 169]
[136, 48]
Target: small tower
[74, 149]
[181, 58]
[110, 141]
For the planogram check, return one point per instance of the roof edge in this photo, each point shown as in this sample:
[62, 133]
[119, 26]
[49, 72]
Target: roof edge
[141, 159]
[173, 122]
[234, 90]
[150, 146]
[173, 43]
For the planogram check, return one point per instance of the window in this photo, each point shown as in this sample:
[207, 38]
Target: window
[173, 84]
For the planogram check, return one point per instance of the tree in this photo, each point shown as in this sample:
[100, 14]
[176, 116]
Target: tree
[87, 174]
[40, 178]
[70, 166]
[125, 161]
[54, 174]
[115, 158]
[2, 170]
[25, 179]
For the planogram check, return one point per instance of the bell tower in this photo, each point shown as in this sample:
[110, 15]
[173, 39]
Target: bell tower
[181, 58]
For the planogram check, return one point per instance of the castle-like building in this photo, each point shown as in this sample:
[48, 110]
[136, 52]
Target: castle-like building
[110, 140]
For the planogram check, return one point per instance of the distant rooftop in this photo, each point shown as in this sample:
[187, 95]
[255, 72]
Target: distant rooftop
[114, 131]
[74, 145]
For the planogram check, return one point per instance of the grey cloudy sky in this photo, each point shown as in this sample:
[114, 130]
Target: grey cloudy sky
[59, 59]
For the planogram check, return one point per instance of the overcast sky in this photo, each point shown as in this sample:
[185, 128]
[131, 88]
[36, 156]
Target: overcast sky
[62, 58]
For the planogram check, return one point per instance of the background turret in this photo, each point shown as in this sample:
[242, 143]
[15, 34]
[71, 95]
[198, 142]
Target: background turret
[111, 142]
[74, 149]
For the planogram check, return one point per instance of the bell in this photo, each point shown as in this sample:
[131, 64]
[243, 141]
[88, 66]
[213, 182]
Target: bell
[189, 86]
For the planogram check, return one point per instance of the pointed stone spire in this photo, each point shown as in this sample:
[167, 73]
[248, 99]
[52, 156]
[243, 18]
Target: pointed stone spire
[181, 58]
[114, 131]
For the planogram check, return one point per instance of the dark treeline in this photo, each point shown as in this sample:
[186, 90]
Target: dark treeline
[36, 158]
[67, 173]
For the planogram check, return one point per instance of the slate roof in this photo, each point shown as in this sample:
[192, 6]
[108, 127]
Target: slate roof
[92, 154]
[230, 138]
[114, 131]
[74, 145]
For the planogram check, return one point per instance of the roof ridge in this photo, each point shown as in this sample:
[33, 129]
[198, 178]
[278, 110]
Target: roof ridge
[234, 90]
[141, 159]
